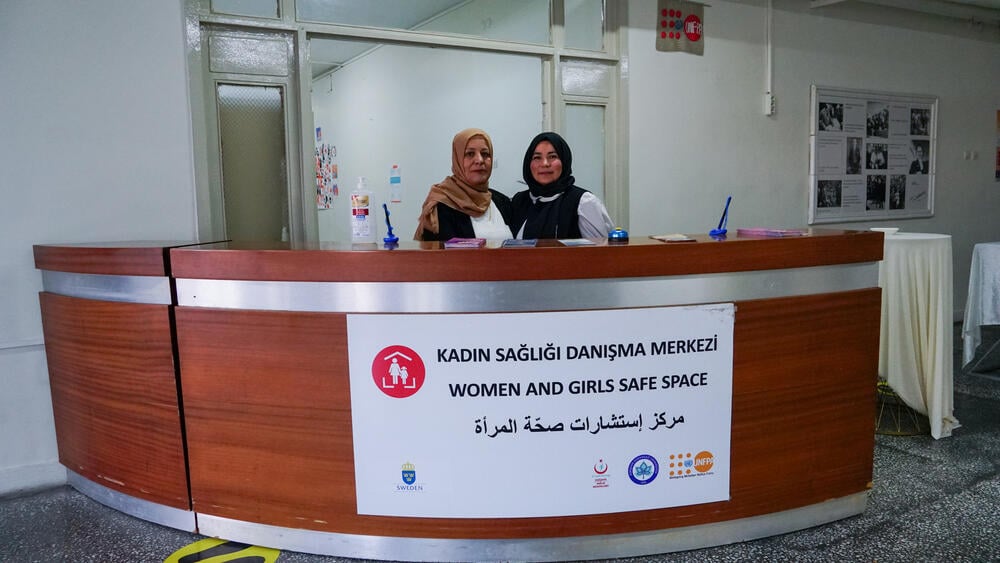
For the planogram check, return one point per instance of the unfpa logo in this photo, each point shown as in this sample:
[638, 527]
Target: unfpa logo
[693, 28]
[703, 462]
[682, 464]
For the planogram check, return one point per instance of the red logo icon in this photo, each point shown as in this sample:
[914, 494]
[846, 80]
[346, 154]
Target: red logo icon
[693, 28]
[398, 371]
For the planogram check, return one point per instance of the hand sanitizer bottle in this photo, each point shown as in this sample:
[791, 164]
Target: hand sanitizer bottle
[362, 222]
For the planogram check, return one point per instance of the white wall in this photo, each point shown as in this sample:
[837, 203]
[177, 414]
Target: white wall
[698, 132]
[95, 145]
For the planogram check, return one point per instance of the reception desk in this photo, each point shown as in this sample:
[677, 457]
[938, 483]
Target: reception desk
[109, 337]
[264, 381]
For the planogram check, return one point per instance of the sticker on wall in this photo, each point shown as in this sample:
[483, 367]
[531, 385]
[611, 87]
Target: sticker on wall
[680, 26]
[326, 174]
[220, 551]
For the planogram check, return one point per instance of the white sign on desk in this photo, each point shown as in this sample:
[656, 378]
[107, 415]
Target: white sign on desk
[512, 415]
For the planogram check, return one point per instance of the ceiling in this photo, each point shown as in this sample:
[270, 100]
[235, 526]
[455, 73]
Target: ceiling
[984, 11]
[329, 54]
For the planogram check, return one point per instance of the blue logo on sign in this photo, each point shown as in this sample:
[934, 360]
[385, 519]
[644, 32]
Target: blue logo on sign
[643, 469]
[409, 473]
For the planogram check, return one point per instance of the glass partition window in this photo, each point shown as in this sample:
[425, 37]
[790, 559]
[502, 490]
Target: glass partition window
[585, 134]
[328, 55]
[394, 80]
[585, 24]
[382, 105]
[525, 21]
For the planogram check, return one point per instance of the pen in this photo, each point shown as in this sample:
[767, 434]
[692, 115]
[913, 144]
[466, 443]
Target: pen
[721, 229]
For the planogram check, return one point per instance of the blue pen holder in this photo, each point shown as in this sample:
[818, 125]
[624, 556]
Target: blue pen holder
[390, 239]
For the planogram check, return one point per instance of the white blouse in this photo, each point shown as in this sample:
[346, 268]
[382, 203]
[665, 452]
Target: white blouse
[490, 225]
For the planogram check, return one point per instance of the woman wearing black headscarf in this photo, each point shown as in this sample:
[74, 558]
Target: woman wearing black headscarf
[552, 207]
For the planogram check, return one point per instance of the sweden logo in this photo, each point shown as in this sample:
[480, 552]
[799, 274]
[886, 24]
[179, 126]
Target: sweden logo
[409, 473]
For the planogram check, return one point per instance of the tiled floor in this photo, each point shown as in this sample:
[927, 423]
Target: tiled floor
[933, 500]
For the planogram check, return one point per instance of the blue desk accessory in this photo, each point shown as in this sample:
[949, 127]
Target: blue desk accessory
[720, 231]
[390, 239]
[618, 235]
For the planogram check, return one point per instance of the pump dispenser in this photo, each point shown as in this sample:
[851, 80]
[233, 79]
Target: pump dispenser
[362, 222]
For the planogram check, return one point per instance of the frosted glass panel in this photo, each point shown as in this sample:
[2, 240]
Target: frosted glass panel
[585, 24]
[256, 8]
[252, 132]
[248, 55]
[585, 135]
[513, 20]
[586, 78]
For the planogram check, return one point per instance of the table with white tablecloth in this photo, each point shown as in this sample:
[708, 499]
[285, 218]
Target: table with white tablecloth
[916, 347]
[982, 307]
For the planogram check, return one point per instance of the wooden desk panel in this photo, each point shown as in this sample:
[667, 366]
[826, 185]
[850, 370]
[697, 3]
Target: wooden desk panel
[112, 260]
[114, 395]
[267, 406]
[550, 260]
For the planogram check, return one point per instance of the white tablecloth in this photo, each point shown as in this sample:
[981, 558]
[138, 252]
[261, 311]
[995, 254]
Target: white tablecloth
[916, 347]
[983, 304]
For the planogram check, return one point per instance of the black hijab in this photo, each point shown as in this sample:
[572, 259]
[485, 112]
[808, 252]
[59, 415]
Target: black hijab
[565, 180]
[542, 218]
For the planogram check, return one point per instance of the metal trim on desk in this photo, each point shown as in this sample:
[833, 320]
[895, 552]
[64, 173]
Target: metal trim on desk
[514, 296]
[154, 290]
[143, 509]
[547, 549]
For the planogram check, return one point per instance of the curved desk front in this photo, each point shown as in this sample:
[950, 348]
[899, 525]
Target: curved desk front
[262, 341]
[109, 344]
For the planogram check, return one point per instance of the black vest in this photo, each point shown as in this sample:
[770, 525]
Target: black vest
[567, 216]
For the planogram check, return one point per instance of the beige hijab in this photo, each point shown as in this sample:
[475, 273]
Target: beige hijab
[455, 191]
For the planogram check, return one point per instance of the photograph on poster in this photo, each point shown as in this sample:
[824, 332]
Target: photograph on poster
[897, 191]
[831, 116]
[877, 159]
[878, 120]
[919, 121]
[853, 156]
[871, 155]
[920, 151]
[829, 193]
[876, 192]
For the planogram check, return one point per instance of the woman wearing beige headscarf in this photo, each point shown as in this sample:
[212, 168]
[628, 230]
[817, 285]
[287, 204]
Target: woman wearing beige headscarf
[463, 205]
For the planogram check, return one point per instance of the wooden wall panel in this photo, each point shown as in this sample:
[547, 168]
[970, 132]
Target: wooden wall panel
[267, 405]
[114, 395]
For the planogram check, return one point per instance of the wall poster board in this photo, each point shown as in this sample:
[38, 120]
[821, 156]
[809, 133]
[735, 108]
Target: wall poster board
[871, 155]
